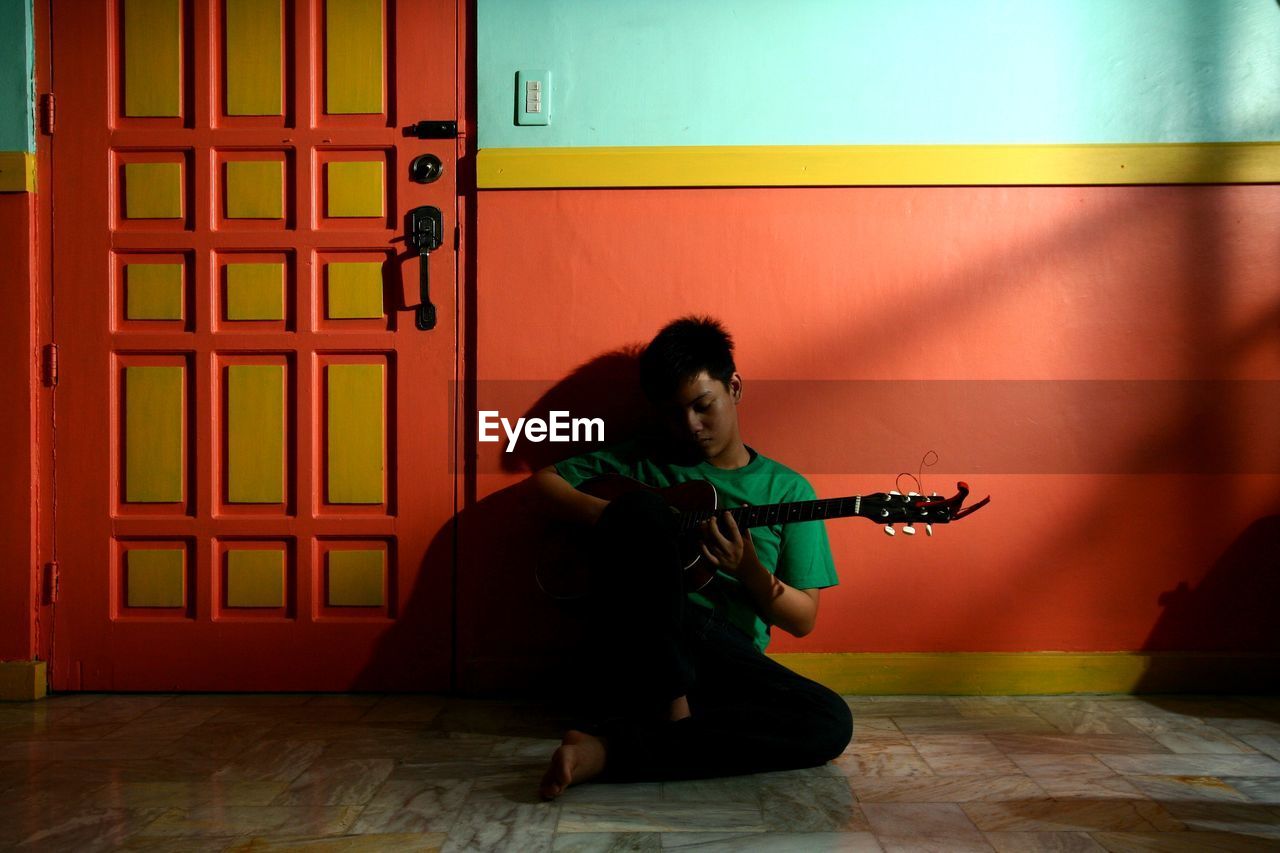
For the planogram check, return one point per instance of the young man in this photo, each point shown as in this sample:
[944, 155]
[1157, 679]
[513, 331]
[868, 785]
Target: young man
[682, 686]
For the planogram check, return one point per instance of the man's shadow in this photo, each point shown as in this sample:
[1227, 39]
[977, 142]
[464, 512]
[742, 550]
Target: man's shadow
[1230, 616]
[516, 622]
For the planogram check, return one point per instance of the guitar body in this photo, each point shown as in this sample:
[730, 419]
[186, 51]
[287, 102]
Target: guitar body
[692, 496]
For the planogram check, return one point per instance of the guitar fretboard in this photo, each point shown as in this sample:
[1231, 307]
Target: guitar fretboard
[783, 513]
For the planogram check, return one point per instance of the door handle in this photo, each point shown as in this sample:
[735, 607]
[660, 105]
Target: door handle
[426, 225]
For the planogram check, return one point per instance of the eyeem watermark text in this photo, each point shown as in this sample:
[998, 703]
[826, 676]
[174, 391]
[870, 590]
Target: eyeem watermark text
[558, 427]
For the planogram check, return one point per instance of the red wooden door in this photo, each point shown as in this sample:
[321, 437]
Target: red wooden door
[254, 489]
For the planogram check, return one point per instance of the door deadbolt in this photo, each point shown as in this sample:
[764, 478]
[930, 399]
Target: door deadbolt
[425, 168]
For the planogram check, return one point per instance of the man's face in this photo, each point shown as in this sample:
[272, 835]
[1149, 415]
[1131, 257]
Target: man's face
[703, 415]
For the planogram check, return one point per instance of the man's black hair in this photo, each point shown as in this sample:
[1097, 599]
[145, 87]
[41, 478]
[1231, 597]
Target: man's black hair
[683, 349]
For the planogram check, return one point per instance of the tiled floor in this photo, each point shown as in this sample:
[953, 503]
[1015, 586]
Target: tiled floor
[357, 772]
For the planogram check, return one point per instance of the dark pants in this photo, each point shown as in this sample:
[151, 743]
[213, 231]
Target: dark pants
[647, 644]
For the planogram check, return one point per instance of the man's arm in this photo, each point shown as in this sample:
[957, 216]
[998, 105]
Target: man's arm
[563, 501]
[793, 610]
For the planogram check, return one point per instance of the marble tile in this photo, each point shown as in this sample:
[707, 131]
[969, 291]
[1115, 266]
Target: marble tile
[1266, 744]
[607, 842]
[1088, 786]
[403, 806]
[1081, 721]
[89, 830]
[405, 745]
[733, 789]
[55, 750]
[900, 706]
[163, 723]
[166, 795]
[660, 817]
[241, 700]
[1071, 815]
[404, 709]
[613, 792]
[495, 825]
[946, 789]
[1192, 765]
[1195, 788]
[875, 759]
[963, 755]
[337, 782]
[1245, 725]
[1043, 842]
[990, 724]
[1258, 789]
[524, 747]
[271, 761]
[1203, 740]
[1040, 764]
[371, 843]
[1180, 842]
[930, 820]
[811, 805]
[1254, 819]
[1094, 743]
[215, 741]
[193, 844]
[206, 820]
[159, 769]
[771, 842]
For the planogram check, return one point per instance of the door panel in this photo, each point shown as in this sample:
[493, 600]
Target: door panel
[254, 489]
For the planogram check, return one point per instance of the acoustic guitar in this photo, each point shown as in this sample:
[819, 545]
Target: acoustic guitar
[697, 500]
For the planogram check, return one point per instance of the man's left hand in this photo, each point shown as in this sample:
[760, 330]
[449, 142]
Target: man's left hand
[727, 553]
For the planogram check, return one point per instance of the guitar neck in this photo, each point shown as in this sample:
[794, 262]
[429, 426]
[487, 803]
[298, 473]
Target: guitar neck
[783, 513]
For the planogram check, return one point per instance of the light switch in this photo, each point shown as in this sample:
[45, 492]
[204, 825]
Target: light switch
[533, 97]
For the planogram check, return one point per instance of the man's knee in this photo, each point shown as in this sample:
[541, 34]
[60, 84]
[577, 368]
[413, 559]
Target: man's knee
[831, 726]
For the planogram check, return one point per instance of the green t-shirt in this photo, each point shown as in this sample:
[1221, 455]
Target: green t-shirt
[799, 553]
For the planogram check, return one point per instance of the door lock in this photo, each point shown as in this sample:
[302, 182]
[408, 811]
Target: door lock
[425, 169]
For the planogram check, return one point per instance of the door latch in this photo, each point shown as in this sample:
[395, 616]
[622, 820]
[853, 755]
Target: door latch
[426, 226]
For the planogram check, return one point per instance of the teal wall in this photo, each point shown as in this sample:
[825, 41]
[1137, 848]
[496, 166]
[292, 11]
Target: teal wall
[761, 72]
[17, 129]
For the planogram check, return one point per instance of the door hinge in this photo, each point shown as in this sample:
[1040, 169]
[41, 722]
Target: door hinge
[51, 580]
[49, 365]
[48, 113]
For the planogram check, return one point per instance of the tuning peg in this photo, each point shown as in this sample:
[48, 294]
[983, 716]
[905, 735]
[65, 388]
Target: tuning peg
[894, 492]
[909, 529]
[928, 530]
[888, 530]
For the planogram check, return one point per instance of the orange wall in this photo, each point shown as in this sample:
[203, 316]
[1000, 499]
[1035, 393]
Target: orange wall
[19, 445]
[1136, 512]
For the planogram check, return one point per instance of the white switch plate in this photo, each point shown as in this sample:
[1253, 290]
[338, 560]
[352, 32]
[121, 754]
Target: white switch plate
[533, 97]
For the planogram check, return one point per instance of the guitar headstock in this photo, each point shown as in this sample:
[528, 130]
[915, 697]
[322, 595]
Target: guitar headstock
[890, 508]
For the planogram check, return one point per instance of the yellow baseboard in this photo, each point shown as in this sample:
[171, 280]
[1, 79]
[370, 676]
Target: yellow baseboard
[17, 172]
[22, 680]
[879, 165]
[1037, 673]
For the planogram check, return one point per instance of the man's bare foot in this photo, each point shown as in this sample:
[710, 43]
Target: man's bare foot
[680, 708]
[579, 757]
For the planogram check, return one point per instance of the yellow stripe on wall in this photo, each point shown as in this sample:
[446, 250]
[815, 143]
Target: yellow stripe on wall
[255, 433]
[152, 58]
[153, 434]
[356, 429]
[353, 56]
[880, 165]
[253, 50]
[1034, 673]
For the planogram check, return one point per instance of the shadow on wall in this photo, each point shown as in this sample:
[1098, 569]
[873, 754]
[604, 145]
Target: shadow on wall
[1229, 617]
[511, 636]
